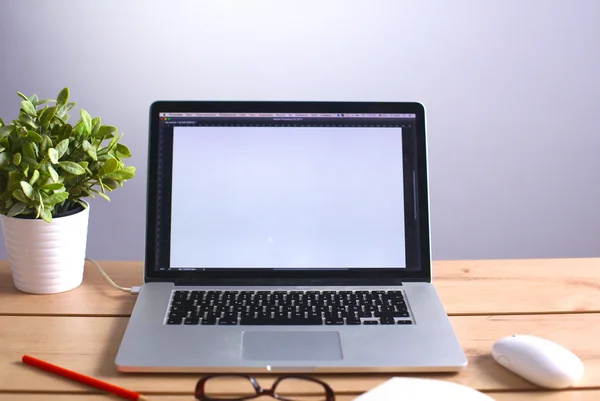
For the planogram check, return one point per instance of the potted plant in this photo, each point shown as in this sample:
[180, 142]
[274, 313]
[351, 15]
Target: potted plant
[47, 168]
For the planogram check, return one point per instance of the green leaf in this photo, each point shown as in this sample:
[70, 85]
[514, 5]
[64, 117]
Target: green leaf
[33, 99]
[26, 171]
[48, 115]
[28, 108]
[22, 96]
[34, 136]
[63, 96]
[113, 142]
[92, 153]
[28, 121]
[54, 186]
[103, 195]
[46, 144]
[87, 120]
[72, 168]
[121, 174]
[19, 195]
[1, 122]
[55, 198]
[52, 173]
[46, 215]
[96, 123]
[65, 108]
[41, 199]
[17, 159]
[28, 150]
[6, 130]
[86, 145]
[23, 132]
[68, 130]
[53, 155]
[14, 177]
[95, 166]
[46, 101]
[110, 184]
[110, 166]
[41, 112]
[34, 177]
[79, 128]
[17, 209]
[123, 150]
[62, 147]
[60, 118]
[27, 189]
[4, 158]
[83, 164]
[105, 131]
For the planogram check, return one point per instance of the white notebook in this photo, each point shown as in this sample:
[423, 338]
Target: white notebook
[413, 389]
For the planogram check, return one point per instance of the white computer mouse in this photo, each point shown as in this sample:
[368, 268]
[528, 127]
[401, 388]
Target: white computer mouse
[538, 360]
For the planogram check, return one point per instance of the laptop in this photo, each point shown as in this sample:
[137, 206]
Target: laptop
[288, 237]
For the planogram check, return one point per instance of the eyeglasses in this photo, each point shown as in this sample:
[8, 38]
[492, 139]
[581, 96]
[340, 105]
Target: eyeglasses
[285, 388]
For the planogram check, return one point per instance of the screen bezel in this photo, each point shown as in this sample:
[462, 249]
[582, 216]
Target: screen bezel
[268, 276]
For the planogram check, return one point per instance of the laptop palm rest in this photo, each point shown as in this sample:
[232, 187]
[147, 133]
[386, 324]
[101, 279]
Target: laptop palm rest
[291, 345]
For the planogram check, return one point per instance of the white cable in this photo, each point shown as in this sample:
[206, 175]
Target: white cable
[131, 290]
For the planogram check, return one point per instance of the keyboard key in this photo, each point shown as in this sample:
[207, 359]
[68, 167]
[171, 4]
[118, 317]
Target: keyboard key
[225, 322]
[405, 322]
[390, 314]
[370, 322]
[280, 322]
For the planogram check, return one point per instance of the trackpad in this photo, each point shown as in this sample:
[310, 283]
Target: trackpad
[291, 345]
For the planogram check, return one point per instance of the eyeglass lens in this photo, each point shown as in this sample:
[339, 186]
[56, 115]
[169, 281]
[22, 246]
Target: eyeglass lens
[229, 388]
[296, 389]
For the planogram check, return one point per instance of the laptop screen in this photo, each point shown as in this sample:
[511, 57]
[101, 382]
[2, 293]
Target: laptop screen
[288, 190]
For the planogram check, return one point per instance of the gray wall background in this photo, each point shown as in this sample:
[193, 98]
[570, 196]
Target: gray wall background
[512, 90]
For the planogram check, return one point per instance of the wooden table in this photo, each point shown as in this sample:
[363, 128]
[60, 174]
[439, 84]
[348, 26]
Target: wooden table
[558, 299]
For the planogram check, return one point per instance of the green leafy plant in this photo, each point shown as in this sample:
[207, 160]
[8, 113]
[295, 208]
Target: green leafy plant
[47, 166]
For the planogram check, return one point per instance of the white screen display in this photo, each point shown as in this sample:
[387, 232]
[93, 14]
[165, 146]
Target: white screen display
[287, 197]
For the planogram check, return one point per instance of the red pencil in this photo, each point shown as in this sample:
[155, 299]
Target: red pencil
[90, 381]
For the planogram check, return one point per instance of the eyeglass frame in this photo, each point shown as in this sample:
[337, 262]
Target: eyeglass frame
[200, 394]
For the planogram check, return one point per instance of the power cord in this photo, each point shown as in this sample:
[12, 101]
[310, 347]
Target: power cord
[132, 290]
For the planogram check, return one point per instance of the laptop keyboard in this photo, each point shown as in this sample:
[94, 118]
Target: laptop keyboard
[288, 308]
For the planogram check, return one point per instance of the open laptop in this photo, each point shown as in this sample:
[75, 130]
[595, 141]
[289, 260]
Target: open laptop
[288, 237]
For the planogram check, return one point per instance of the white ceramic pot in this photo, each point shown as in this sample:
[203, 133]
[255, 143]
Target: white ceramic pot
[46, 258]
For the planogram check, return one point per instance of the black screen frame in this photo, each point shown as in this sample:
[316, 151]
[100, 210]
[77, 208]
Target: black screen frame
[292, 276]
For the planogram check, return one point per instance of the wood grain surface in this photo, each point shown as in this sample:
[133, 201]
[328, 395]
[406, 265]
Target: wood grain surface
[89, 345]
[466, 288]
[558, 299]
[565, 395]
